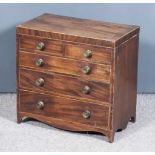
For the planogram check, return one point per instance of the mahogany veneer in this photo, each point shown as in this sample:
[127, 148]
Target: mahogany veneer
[77, 74]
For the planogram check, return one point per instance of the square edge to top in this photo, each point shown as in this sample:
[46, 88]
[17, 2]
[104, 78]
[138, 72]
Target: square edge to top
[134, 30]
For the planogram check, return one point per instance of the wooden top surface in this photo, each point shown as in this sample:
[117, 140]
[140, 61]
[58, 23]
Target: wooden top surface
[78, 30]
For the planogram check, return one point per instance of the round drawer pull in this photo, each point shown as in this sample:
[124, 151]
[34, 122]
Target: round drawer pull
[86, 90]
[86, 70]
[39, 62]
[87, 54]
[40, 82]
[40, 105]
[86, 114]
[40, 46]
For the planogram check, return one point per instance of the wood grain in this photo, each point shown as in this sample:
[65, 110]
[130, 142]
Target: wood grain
[111, 104]
[125, 83]
[99, 54]
[66, 125]
[64, 108]
[78, 30]
[66, 85]
[66, 66]
[52, 47]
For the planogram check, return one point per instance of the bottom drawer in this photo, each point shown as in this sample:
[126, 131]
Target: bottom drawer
[64, 108]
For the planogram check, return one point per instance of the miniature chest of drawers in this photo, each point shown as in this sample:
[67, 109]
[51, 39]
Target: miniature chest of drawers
[77, 74]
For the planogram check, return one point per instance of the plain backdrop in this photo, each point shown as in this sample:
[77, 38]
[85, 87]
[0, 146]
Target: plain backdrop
[137, 14]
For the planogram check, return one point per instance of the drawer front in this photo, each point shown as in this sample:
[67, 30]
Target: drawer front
[96, 72]
[66, 85]
[32, 44]
[64, 108]
[89, 53]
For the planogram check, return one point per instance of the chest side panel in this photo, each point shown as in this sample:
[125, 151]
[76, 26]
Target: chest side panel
[125, 83]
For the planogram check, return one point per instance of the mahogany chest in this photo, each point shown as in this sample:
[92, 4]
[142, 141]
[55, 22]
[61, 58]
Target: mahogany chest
[77, 74]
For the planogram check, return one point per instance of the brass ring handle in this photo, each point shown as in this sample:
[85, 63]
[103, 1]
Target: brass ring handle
[40, 82]
[86, 70]
[40, 105]
[39, 62]
[86, 90]
[86, 114]
[87, 54]
[40, 46]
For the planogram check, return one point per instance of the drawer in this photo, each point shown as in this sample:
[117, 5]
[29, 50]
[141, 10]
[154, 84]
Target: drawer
[64, 108]
[89, 53]
[66, 85]
[47, 46]
[98, 72]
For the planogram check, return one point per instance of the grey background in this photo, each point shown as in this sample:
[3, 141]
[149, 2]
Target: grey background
[138, 14]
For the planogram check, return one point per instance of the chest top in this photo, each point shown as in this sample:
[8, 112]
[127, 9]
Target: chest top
[78, 30]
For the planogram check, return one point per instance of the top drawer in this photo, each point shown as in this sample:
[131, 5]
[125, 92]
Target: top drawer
[47, 46]
[89, 53]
